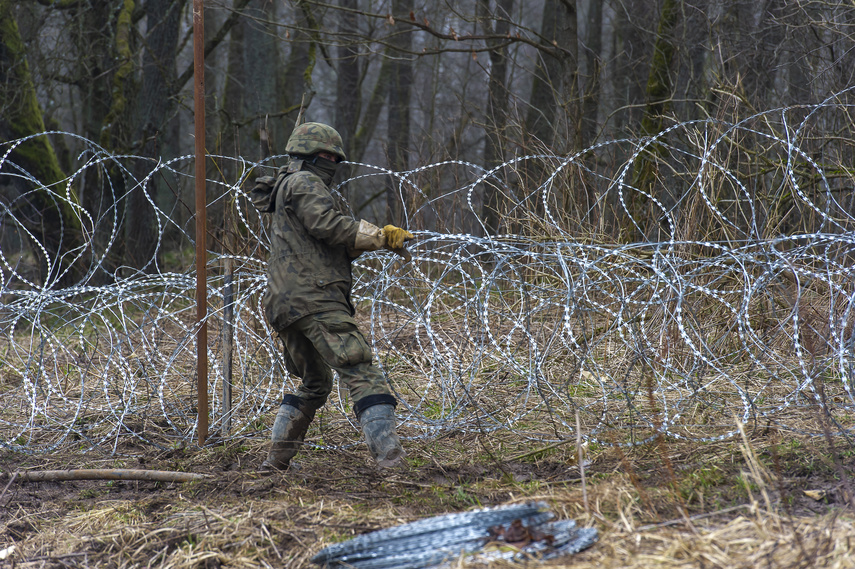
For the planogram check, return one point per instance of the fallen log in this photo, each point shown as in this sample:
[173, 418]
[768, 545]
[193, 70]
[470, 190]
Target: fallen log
[104, 474]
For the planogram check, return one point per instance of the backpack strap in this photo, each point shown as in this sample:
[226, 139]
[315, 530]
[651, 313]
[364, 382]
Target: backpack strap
[263, 194]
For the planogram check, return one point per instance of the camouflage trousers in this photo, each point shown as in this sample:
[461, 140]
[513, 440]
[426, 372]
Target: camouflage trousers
[317, 344]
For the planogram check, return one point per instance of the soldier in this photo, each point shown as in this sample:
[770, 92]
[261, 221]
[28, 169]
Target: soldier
[312, 244]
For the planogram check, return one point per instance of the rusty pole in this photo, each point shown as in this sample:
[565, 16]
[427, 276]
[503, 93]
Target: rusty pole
[201, 219]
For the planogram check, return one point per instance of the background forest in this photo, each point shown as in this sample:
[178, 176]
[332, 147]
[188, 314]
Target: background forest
[413, 83]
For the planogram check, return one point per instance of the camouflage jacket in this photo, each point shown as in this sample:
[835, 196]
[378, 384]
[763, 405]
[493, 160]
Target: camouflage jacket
[311, 246]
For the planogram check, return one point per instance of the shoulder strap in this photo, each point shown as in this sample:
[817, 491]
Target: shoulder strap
[263, 194]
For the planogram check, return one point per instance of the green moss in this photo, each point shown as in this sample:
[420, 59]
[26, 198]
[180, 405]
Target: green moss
[126, 66]
[310, 68]
[22, 116]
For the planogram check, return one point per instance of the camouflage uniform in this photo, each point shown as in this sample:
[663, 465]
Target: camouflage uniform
[312, 244]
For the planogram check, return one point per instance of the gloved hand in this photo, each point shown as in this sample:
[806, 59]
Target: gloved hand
[395, 237]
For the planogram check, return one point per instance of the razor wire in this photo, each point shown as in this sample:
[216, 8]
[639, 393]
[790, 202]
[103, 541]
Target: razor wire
[743, 313]
[437, 541]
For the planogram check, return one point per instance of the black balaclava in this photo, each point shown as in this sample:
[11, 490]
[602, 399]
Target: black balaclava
[323, 167]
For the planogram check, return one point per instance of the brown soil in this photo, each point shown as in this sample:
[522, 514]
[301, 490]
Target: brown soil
[672, 505]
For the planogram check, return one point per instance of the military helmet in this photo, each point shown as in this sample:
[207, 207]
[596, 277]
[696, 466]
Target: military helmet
[312, 137]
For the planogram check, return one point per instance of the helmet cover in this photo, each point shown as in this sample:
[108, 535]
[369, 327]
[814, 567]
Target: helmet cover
[313, 137]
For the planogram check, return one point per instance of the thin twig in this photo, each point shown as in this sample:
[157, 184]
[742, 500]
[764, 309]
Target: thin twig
[538, 450]
[581, 463]
[55, 557]
[12, 479]
[692, 518]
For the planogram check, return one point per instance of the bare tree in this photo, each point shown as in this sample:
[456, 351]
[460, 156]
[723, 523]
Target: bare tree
[155, 106]
[348, 101]
[659, 94]
[398, 110]
[52, 221]
[555, 74]
[590, 87]
[495, 21]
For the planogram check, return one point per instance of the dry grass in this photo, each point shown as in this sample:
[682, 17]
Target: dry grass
[751, 539]
[727, 504]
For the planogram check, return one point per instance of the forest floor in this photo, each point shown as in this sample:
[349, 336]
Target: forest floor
[772, 499]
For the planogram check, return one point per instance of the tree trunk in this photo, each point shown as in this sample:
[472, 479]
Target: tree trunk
[102, 70]
[348, 101]
[104, 45]
[496, 24]
[296, 82]
[552, 118]
[658, 96]
[541, 117]
[398, 109]
[53, 221]
[347, 95]
[567, 38]
[591, 87]
[231, 140]
[261, 64]
[154, 110]
[373, 108]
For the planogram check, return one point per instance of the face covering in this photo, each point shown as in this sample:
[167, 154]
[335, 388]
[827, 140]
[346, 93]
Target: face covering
[322, 167]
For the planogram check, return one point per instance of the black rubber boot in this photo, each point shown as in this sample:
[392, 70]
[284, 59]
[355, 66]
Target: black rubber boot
[378, 426]
[289, 429]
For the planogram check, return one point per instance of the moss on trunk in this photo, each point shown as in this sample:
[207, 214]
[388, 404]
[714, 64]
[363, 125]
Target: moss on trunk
[659, 92]
[21, 116]
[124, 70]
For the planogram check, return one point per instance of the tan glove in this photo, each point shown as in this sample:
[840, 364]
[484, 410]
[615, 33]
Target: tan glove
[369, 237]
[395, 237]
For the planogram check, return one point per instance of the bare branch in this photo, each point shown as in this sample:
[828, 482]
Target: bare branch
[60, 4]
